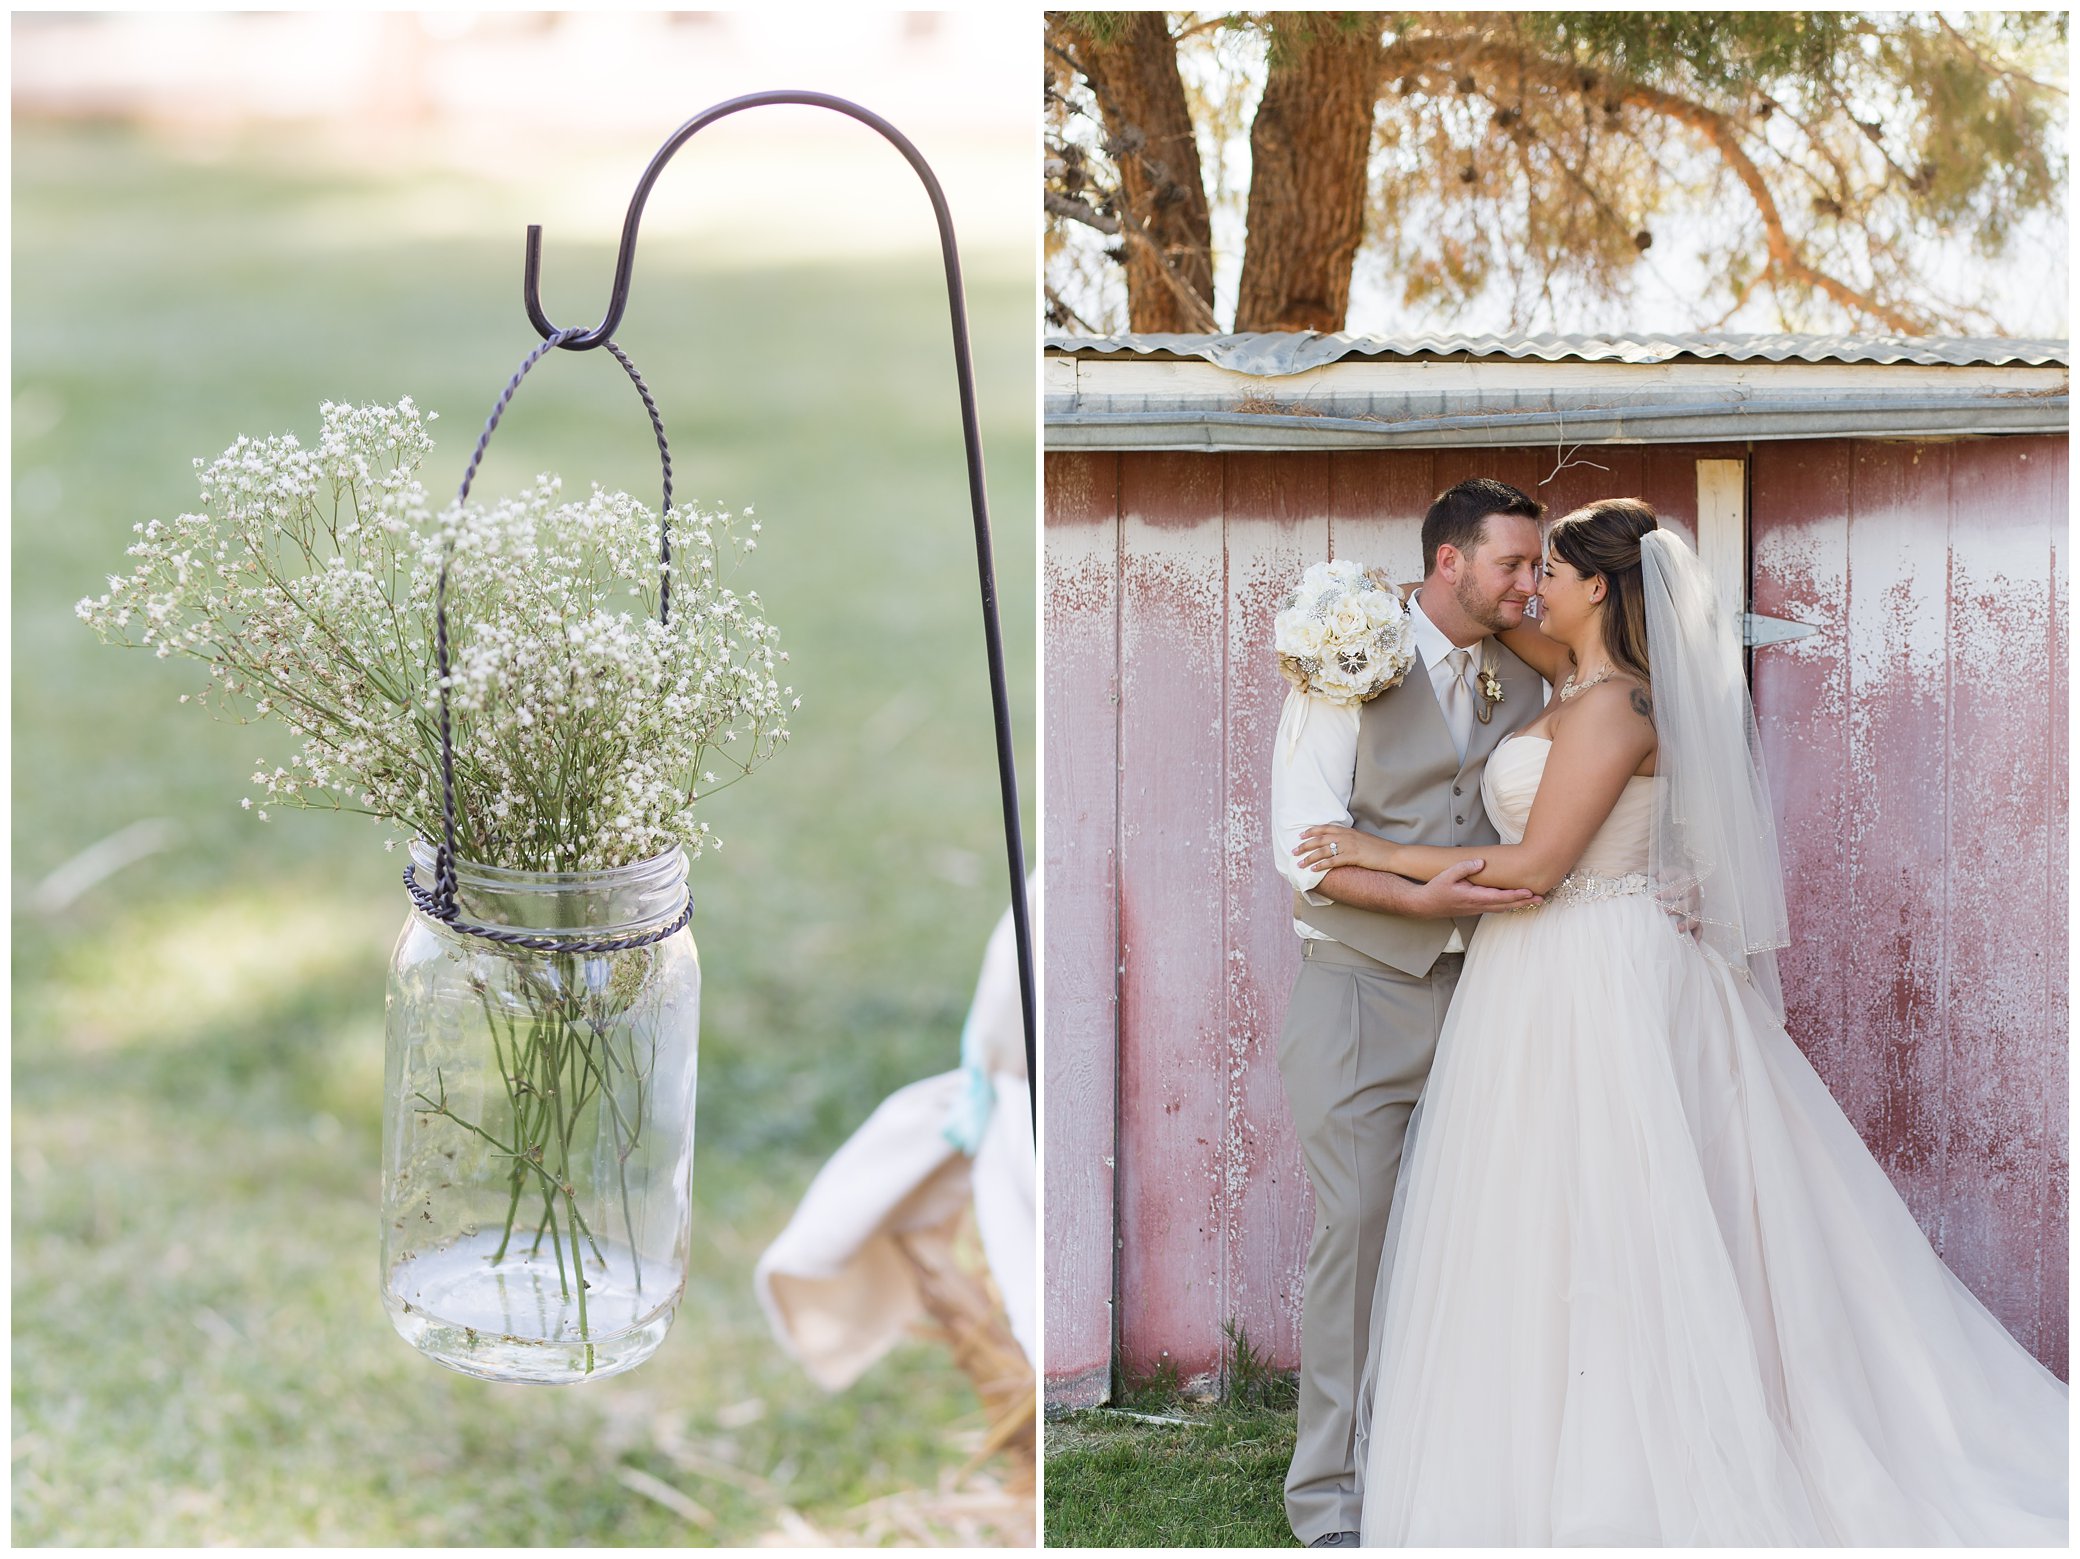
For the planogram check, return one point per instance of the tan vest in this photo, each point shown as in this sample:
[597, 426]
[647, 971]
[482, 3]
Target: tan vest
[1412, 787]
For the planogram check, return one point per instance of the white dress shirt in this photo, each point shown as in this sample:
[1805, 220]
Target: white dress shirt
[1314, 766]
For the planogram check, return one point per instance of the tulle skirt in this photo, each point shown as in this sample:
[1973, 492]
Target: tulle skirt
[1645, 1286]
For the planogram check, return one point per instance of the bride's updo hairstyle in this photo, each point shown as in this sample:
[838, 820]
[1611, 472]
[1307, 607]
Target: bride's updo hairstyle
[1602, 538]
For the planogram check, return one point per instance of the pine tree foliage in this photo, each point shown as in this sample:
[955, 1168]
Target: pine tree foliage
[1832, 170]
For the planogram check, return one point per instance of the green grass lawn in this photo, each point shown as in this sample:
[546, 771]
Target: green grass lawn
[200, 1355]
[1216, 1481]
[1169, 1470]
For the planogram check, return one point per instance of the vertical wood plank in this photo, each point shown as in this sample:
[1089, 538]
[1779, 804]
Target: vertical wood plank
[1523, 469]
[2054, 1239]
[1377, 499]
[1898, 823]
[1799, 524]
[1278, 507]
[1172, 1092]
[1081, 923]
[1670, 481]
[1574, 477]
[2007, 497]
[1722, 532]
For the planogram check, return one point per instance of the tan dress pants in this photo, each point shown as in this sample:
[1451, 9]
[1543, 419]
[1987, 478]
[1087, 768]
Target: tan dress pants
[1358, 1041]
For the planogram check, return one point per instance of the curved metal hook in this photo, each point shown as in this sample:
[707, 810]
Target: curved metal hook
[964, 372]
[625, 263]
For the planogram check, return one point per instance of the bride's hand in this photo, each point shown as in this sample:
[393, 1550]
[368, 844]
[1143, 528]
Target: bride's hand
[1331, 844]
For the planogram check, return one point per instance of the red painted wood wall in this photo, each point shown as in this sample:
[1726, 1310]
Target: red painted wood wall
[1918, 744]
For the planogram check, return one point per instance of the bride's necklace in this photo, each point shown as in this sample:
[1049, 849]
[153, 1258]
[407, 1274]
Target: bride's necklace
[1570, 687]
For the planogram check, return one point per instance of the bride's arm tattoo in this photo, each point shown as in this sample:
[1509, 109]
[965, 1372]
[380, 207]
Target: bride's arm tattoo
[1642, 705]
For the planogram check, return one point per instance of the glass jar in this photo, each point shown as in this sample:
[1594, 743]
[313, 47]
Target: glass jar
[538, 1124]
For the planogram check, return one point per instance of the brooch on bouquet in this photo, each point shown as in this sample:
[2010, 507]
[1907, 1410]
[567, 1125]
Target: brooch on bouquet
[1343, 634]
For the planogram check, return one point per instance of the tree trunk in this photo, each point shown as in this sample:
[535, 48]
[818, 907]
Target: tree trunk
[1131, 64]
[1308, 151]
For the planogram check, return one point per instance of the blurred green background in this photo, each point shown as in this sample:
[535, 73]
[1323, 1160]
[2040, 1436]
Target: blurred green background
[200, 1355]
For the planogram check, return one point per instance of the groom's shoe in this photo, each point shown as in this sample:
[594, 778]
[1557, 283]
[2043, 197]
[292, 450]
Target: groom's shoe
[1335, 1540]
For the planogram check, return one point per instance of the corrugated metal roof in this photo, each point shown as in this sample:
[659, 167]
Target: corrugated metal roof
[1270, 354]
[1307, 391]
[1481, 425]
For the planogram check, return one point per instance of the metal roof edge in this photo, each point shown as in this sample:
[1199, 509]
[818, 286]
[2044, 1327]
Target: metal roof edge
[1701, 422]
[1269, 354]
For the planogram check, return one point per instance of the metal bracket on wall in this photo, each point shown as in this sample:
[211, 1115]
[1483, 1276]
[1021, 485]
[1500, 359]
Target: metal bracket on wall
[1758, 630]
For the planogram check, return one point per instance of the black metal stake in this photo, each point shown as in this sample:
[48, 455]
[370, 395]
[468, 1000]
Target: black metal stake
[964, 373]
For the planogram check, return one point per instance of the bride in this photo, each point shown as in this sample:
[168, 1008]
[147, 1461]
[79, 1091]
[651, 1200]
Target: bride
[1643, 1284]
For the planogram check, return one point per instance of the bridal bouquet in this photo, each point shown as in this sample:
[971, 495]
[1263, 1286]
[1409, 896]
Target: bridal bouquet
[1343, 635]
[583, 727]
[538, 1129]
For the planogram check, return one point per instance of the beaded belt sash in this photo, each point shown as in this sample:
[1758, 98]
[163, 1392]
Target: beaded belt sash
[1583, 887]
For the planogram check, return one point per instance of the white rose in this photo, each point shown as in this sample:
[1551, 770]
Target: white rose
[1345, 573]
[1349, 620]
[1298, 634]
[1380, 607]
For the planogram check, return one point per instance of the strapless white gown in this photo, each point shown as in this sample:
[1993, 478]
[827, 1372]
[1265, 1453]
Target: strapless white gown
[1645, 1286]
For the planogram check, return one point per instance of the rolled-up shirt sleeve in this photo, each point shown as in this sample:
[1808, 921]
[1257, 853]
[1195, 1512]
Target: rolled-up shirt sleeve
[1313, 767]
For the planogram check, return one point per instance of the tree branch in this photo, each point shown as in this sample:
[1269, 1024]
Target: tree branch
[1062, 307]
[1870, 135]
[1125, 226]
[1121, 132]
[1989, 66]
[1211, 24]
[1078, 211]
[1197, 314]
[1815, 140]
[1786, 262]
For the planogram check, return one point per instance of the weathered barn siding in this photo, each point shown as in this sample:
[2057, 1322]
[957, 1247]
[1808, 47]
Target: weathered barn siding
[1080, 928]
[1927, 988]
[1917, 748]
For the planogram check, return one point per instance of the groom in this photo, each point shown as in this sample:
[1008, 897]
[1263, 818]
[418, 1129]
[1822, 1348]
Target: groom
[1381, 954]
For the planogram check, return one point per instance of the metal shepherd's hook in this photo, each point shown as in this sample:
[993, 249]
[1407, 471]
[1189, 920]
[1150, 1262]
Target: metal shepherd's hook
[964, 373]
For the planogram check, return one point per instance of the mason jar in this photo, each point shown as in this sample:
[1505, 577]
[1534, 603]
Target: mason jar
[538, 1124]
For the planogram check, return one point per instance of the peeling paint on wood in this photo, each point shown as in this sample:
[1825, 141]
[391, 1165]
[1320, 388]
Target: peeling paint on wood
[1279, 508]
[1081, 923]
[1898, 816]
[2004, 1054]
[1173, 780]
[1916, 745]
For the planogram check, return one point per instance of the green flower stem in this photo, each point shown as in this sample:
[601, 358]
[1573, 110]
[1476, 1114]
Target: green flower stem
[570, 1199]
[509, 1075]
[556, 1063]
[621, 1149]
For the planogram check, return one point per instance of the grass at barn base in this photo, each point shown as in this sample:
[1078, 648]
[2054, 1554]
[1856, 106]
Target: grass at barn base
[1170, 1469]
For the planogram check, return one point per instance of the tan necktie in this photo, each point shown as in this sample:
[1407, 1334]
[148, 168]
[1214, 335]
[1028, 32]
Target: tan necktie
[1458, 702]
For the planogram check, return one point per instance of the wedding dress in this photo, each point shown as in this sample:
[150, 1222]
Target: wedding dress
[1643, 1283]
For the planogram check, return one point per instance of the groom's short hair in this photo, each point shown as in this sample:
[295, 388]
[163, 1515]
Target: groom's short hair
[1460, 514]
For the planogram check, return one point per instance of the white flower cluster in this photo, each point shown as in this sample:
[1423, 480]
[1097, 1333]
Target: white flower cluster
[1343, 635]
[584, 728]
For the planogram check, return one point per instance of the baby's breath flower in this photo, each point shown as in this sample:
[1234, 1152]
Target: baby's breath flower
[307, 581]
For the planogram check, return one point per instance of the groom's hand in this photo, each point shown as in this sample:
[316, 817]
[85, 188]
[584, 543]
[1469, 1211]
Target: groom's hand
[1449, 895]
[1446, 896]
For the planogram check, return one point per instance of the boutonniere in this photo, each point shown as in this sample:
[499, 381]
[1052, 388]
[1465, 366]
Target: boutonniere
[1491, 692]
